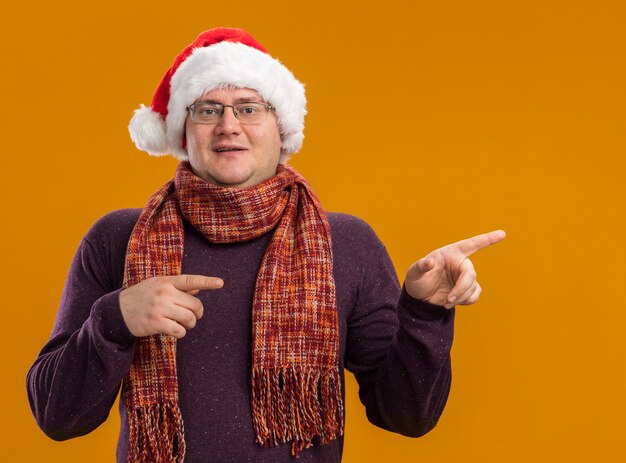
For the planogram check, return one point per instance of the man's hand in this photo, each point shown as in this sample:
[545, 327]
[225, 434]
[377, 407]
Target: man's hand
[446, 276]
[165, 304]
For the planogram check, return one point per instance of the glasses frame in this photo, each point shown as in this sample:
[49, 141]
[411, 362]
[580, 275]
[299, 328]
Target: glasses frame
[190, 110]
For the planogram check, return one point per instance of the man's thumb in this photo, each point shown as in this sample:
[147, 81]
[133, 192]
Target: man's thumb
[420, 267]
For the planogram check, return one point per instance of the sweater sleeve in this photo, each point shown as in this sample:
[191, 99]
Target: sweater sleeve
[399, 351]
[74, 381]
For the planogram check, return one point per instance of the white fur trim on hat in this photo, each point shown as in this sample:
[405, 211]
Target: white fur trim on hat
[147, 130]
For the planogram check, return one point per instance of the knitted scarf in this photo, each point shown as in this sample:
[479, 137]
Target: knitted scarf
[295, 390]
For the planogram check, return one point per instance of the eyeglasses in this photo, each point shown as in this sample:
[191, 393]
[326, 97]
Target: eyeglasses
[203, 112]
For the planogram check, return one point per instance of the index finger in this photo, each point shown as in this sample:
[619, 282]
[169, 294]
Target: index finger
[195, 282]
[476, 243]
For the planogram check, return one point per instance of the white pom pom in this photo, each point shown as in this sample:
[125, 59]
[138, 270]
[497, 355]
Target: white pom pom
[147, 130]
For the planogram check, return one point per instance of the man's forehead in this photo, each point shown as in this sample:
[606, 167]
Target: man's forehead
[231, 95]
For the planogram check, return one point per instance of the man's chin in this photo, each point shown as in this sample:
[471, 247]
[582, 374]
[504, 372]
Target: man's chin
[232, 179]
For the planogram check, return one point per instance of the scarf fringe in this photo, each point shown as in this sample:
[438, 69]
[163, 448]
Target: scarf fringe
[293, 405]
[156, 434]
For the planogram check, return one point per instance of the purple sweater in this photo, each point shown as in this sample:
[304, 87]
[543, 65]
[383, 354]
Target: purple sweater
[397, 347]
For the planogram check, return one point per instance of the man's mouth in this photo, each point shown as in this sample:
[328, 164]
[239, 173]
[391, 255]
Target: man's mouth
[228, 149]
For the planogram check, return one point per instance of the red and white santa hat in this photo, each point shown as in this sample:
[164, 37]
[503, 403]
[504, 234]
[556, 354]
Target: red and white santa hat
[217, 58]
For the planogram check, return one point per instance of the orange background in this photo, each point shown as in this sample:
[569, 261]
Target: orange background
[433, 121]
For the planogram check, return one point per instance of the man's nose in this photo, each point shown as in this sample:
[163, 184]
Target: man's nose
[228, 123]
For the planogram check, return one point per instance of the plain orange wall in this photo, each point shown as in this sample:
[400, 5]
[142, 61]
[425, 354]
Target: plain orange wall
[433, 121]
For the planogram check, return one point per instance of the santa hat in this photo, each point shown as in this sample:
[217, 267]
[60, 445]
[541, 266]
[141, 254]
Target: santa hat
[217, 58]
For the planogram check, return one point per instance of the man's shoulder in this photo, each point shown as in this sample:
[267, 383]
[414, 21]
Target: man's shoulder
[351, 230]
[341, 221]
[113, 226]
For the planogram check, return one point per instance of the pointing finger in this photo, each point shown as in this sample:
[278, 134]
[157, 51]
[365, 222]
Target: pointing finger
[476, 243]
[195, 282]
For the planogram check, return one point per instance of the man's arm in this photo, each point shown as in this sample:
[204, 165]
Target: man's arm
[401, 355]
[75, 379]
[399, 351]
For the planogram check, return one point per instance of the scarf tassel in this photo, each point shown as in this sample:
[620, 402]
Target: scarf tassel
[293, 405]
[156, 434]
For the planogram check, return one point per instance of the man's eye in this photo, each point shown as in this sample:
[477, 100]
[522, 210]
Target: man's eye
[248, 109]
[207, 112]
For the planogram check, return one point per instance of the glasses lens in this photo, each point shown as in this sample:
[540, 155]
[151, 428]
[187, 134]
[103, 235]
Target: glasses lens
[250, 113]
[206, 112]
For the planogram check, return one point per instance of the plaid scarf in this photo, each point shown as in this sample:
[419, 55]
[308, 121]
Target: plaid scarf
[295, 390]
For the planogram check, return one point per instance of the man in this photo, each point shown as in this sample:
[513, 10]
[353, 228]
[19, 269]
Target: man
[228, 307]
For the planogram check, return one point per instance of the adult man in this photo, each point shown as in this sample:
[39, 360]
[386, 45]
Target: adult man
[295, 293]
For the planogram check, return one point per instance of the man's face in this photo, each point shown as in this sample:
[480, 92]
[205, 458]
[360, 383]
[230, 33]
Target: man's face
[229, 153]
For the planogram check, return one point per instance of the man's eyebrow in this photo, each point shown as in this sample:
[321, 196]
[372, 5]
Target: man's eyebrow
[237, 101]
